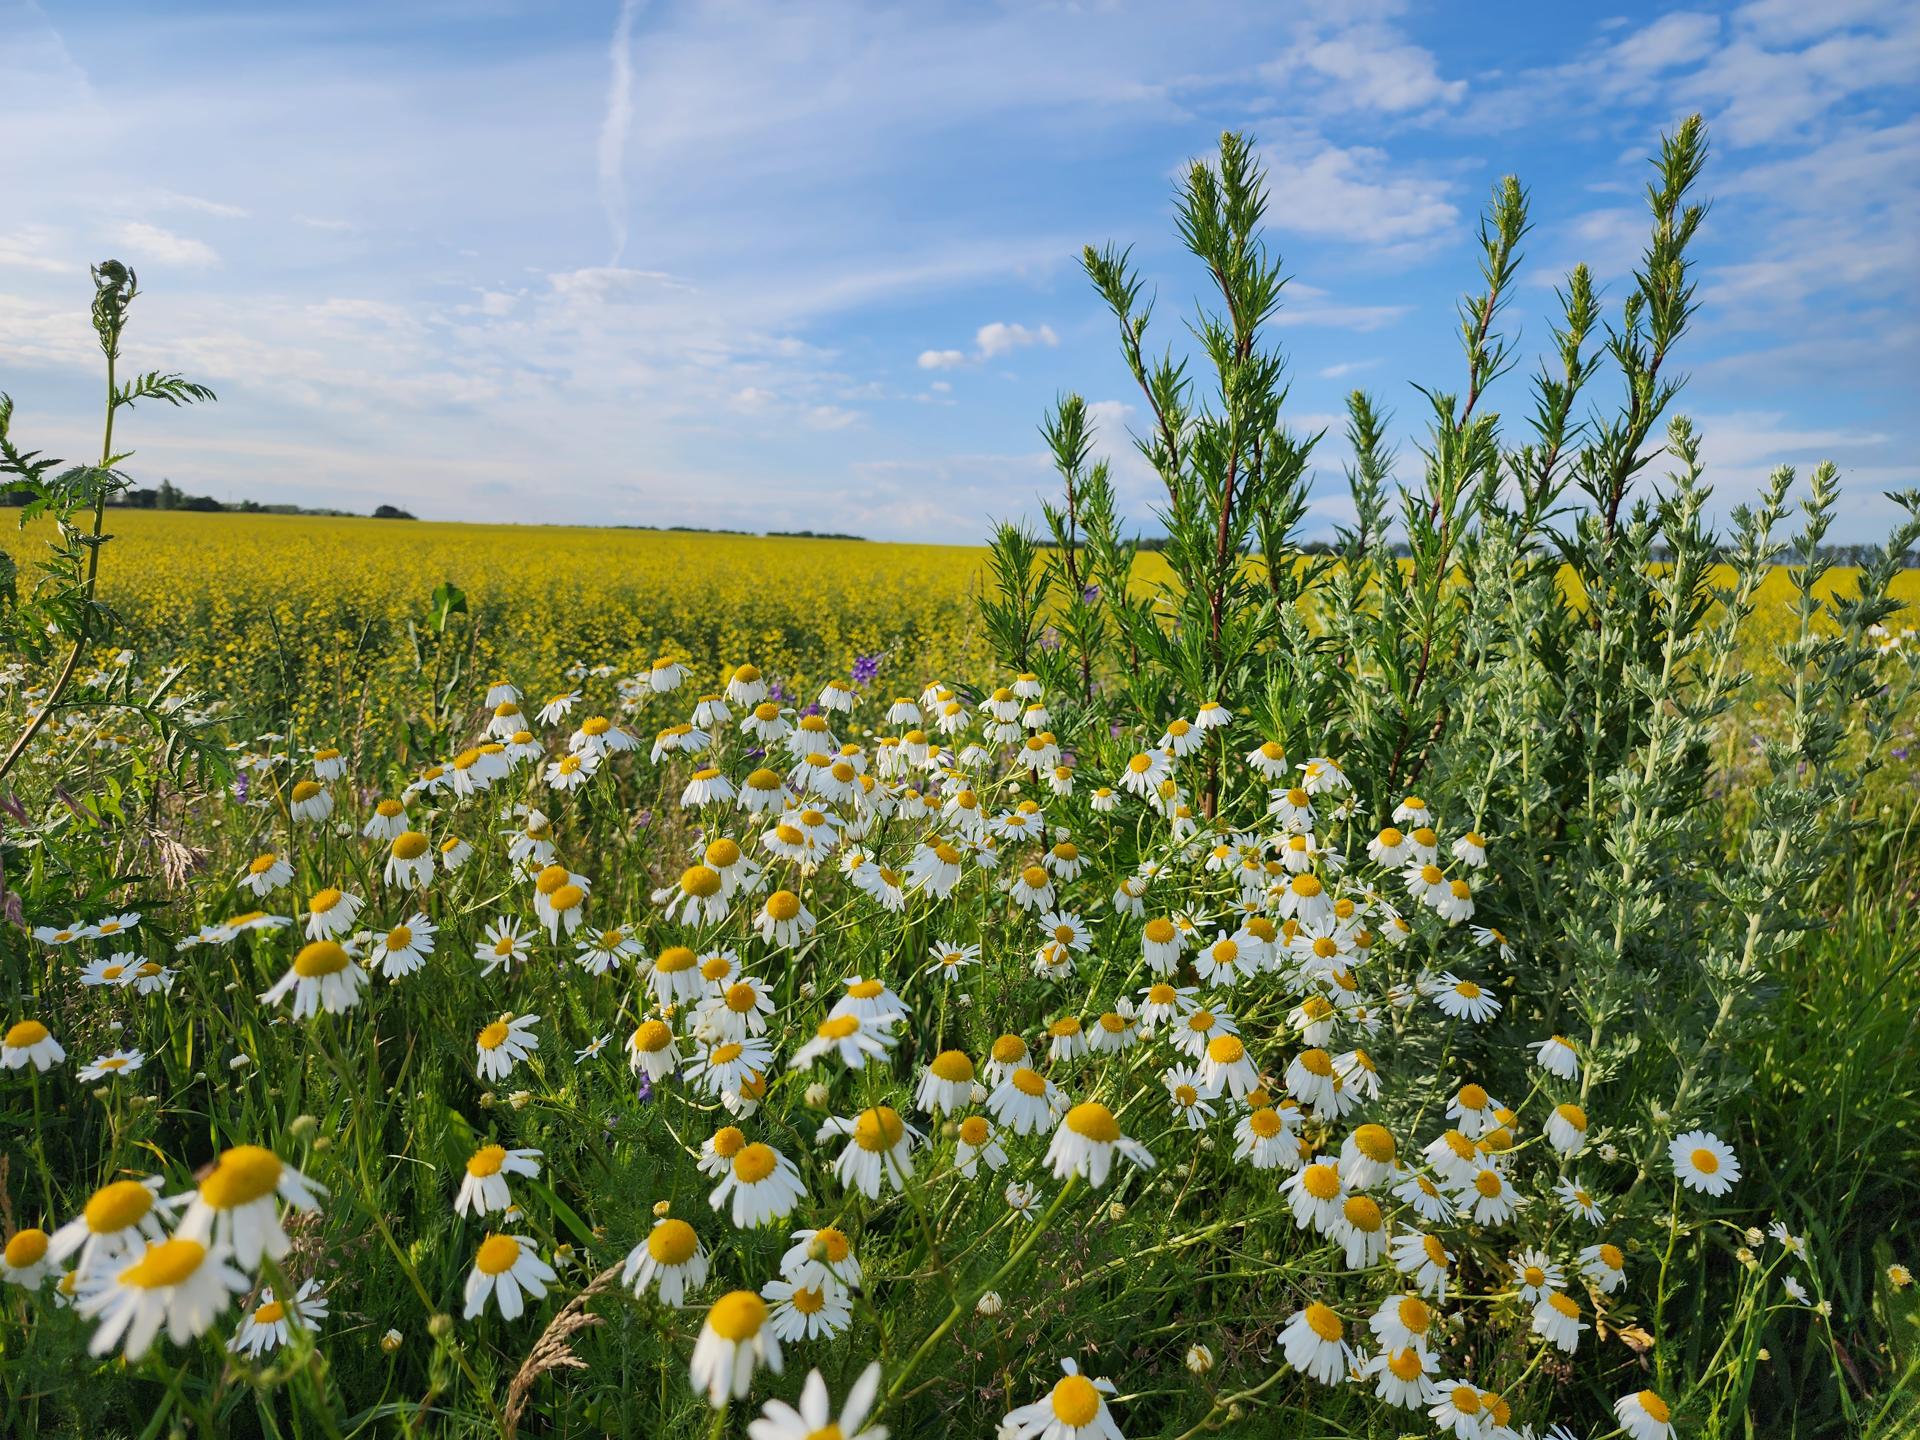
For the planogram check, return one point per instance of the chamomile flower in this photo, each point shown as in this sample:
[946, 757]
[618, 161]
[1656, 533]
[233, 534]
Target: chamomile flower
[113, 1065]
[506, 1269]
[119, 1218]
[762, 1184]
[735, 1340]
[404, 948]
[653, 1051]
[879, 1149]
[1556, 1319]
[325, 975]
[946, 1084]
[814, 1419]
[1402, 1377]
[235, 1207]
[1075, 1409]
[1263, 1138]
[30, 1042]
[975, 1143]
[948, 960]
[309, 802]
[483, 1189]
[1464, 999]
[1644, 1415]
[115, 969]
[1605, 1266]
[1535, 1276]
[265, 1327]
[504, 1044]
[783, 921]
[331, 912]
[1026, 1101]
[806, 1312]
[1086, 1142]
[1489, 1197]
[1188, 1097]
[1314, 1342]
[503, 945]
[1579, 1201]
[725, 1068]
[265, 873]
[670, 1261]
[410, 860]
[853, 1040]
[1226, 1067]
[1567, 1129]
[181, 1285]
[1704, 1162]
[23, 1260]
[1425, 1259]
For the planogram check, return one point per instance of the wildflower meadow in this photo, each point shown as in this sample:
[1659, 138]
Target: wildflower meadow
[493, 981]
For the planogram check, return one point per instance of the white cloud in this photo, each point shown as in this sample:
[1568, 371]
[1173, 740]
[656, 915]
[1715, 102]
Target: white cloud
[1353, 193]
[830, 417]
[36, 247]
[149, 243]
[614, 128]
[1000, 338]
[941, 359]
[1374, 69]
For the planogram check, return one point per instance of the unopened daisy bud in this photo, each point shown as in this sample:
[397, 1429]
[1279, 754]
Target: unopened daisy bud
[101, 1092]
[1764, 1353]
[520, 1099]
[1754, 1235]
[1744, 1256]
[989, 1303]
[662, 1209]
[964, 1001]
[239, 1062]
[807, 990]
[1899, 1276]
[487, 1100]
[1199, 1359]
[817, 1096]
[323, 1142]
[391, 1341]
[303, 1125]
[1116, 1211]
[440, 1326]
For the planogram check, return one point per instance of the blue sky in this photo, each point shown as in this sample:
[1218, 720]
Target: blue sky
[814, 265]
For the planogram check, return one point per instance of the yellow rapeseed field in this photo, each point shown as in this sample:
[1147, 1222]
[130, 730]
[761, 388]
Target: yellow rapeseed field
[317, 608]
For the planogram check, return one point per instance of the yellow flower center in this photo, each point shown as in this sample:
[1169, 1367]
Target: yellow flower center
[783, 905]
[409, 845]
[269, 1313]
[165, 1263]
[652, 1035]
[494, 1036]
[1009, 1048]
[672, 1242]
[25, 1034]
[486, 1161]
[952, 1066]
[1324, 1323]
[240, 1176]
[1374, 1142]
[323, 901]
[974, 1131]
[754, 1163]
[878, 1129]
[1656, 1408]
[497, 1254]
[260, 864]
[27, 1247]
[305, 790]
[322, 957]
[1226, 1050]
[1075, 1401]
[1705, 1161]
[116, 1206]
[1322, 1182]
[675, 959]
